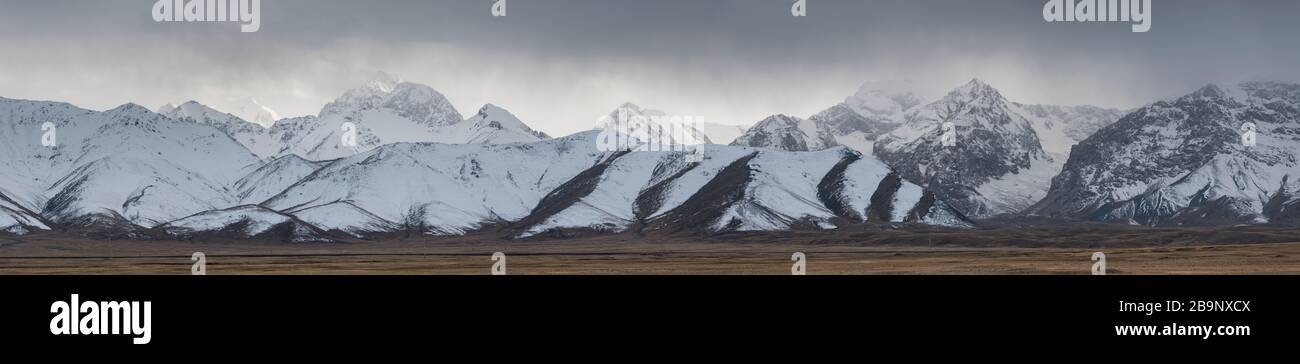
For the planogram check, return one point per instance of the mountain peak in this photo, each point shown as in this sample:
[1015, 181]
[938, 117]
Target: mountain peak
[129, 108]
[383, 82]
[1209, 91]
[417, 102]
[196, 110]
[780, 117]
[628, 110]
[248, 108]
[973, 91]
[491, 125]
[628, 106]
[778, 121]
[780, 132]
[976, 86]
[414, 93]
[883, 98]
[490, 111]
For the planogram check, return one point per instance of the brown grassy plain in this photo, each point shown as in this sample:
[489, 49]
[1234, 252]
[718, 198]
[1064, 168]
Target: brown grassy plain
[996, 250]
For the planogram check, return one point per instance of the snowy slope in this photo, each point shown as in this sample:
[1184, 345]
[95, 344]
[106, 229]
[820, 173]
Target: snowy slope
[1284, 205]
[865, 189]
[449, 189]
[16, 219]
[30, 168]
[1061, 127]
[252, 136]
[245, 222]
[346, 217]
[272, 178]
[781, 190]
[789, 190]
[676, 180]
[491, 125]
[609, 205]
[859, 182]
[732, 189]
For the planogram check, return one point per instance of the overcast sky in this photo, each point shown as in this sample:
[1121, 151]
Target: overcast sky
[559, 64]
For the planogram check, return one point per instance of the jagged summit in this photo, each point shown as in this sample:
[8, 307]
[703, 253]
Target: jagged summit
[781, 132]
[628, 110]
[876, 108]
[884, 98]
[975, 92]
[776, 121]
[387, 110]
[384, 110]
[491, 125]
[129, 108]
[246, 108]
[975, 84]
[416, 102]
[383, 82]
[678, 131]
[251, 135]
[1210, 91]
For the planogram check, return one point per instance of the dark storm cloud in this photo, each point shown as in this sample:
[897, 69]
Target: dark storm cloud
[559, 63]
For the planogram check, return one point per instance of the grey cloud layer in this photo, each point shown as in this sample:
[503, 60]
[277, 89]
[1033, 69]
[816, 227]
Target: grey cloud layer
[560, 64]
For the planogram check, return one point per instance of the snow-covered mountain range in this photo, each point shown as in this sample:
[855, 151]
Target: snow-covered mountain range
[1217, 155]
[125, 166]
[194, 173]
[384, 111]
[568, 184]
[246, 108]
[875, 109]
[1002, 154]
[418, 168]
[253, 136]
